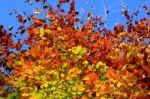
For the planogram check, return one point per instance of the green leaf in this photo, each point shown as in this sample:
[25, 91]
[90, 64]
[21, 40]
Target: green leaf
[79, 50]
[105, 68]
[101, 65]
[19, 62]
[82, 51]
[53, 83]
[104, 77]
[2, 97]
[38, 95]
[53, 88]
[14, 96]
[20, 84]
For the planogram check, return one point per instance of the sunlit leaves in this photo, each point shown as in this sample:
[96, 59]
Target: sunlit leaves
[78, 50]
[48, 31]
[90, 78]
[64, 60]
[36, 95]
[41, 32]
[59, 29]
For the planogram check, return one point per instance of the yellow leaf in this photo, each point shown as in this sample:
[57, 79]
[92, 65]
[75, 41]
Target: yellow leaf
[119, 84]
[30, 72]
[90, 31]
[100, 64]
[137, 93]
[86, 78]
[25, 94]
[122, 34]
[47, 15]
[102, 97]
[33, 97]
[85, 62]
[41, 32]
[62, 75]
[59, 28]
[74, 70]
[130, 84]
[117, 50]
[76, 50]
[45, 85]
[80, 87]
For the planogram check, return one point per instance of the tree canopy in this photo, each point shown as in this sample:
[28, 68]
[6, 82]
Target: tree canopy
[67, 61]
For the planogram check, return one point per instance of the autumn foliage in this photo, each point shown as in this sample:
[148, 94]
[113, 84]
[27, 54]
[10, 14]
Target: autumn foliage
[68, 62]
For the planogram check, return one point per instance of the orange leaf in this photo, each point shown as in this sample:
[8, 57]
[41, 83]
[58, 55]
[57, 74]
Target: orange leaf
[84, 97]
[107, 88]
[18, 46]
[111, 74]
[37, 11]
[90, 78]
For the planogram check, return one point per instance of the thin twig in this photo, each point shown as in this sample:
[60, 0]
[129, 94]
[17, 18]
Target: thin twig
[105, 12]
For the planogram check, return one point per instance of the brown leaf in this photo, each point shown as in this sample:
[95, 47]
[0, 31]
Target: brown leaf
[63, 1]
[45, 6]
[72, 6]
[20, 18]
[18, 46]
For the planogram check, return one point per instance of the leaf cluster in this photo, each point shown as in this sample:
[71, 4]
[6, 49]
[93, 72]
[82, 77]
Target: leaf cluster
[64, 61]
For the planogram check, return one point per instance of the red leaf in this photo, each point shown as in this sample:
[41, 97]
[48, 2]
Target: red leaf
[37, 0]
[63, 1]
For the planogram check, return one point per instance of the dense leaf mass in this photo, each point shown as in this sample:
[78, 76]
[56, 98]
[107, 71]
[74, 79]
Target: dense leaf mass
[65, 61]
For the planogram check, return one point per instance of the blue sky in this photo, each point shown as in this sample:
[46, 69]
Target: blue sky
[83, 6]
